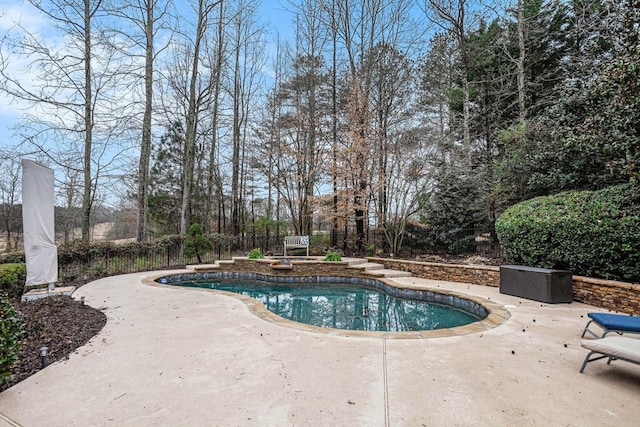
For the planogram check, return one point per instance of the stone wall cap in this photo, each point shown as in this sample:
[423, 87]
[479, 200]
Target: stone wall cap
[438, 264]
[606, 282]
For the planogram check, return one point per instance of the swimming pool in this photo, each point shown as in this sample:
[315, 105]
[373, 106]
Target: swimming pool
[344, 303]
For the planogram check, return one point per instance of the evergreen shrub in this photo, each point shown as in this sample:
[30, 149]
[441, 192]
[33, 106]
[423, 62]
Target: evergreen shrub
[12, 258]
[196, 242]
[591, 233]
[12, 278]
[11, 327]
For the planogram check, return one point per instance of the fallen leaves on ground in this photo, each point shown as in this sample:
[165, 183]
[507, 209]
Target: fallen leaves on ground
[59, 323]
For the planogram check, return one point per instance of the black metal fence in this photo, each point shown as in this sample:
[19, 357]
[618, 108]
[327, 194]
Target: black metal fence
[130, 258]
[83, 262]
[482, 242]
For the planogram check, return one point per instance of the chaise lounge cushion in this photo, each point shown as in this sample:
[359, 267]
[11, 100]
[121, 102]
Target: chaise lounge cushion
[615, 346]
[612, 348]
[613, 323]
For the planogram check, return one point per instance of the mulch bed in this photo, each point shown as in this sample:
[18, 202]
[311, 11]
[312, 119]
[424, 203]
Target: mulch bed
[59, 323]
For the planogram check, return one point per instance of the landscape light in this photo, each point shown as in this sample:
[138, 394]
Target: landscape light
[44, 356]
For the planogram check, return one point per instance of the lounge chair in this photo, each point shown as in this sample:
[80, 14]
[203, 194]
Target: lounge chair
[614, 348]
[618, 323]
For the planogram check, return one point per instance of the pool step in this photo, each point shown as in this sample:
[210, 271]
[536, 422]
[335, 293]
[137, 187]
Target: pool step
[385, 272]
[203, 267]
[354, 261]
[367, 266]
[376, 270]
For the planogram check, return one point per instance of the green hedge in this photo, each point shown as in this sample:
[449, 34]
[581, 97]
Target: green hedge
[11, 328]
[12, 277]
[591, 233]
[12, 258]
[81, 251]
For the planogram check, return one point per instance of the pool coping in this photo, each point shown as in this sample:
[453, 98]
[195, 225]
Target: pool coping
[497, 313]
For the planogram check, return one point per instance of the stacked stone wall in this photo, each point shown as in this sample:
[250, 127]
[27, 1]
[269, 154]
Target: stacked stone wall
[297, 268]
[478, 274]
[609, 294]
[615, 296]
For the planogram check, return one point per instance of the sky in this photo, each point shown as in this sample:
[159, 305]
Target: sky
[273, 15]
[12, 12]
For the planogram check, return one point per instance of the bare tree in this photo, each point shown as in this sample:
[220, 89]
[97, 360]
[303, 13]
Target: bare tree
[188, 94]
[333, 34]
[302, 107]
[363, 33]
[215, 195]
[75, 89]
[270, 134]
[393, 104]
[412, 178]
[452, 16]
[246, 44]
[357, 27]
[204, 9]
[68, 192]
[143, 21]
[9, 193]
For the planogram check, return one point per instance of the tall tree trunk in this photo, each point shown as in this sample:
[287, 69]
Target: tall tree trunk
[214, 172]
[464, 55]
[522, 112]
[235, 157]
[145, 145]
[454, 16]
[87, 196]
[334, 145]
[333, 242]
[243, 171]
[191, 123]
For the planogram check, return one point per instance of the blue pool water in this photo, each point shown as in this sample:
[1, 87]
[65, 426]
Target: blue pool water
[344, 306]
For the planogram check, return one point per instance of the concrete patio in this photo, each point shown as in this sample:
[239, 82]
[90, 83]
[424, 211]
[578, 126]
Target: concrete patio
[187, 357]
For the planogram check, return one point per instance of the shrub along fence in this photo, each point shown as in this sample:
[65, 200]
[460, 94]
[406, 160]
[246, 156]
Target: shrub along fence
[79, 261]
[12, 279]
[471, 241]
[591, 233]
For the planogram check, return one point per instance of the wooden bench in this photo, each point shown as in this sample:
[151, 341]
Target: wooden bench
[297, 242]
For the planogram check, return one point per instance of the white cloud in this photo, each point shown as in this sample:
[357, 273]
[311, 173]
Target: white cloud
[21, 13]
[16, 17]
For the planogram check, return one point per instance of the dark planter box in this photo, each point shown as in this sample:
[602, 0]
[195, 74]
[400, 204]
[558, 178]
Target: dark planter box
[540, 284]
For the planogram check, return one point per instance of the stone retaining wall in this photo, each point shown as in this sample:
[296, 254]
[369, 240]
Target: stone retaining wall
[609, 294]
[615, 296]
[297, 268]
[478, 274]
